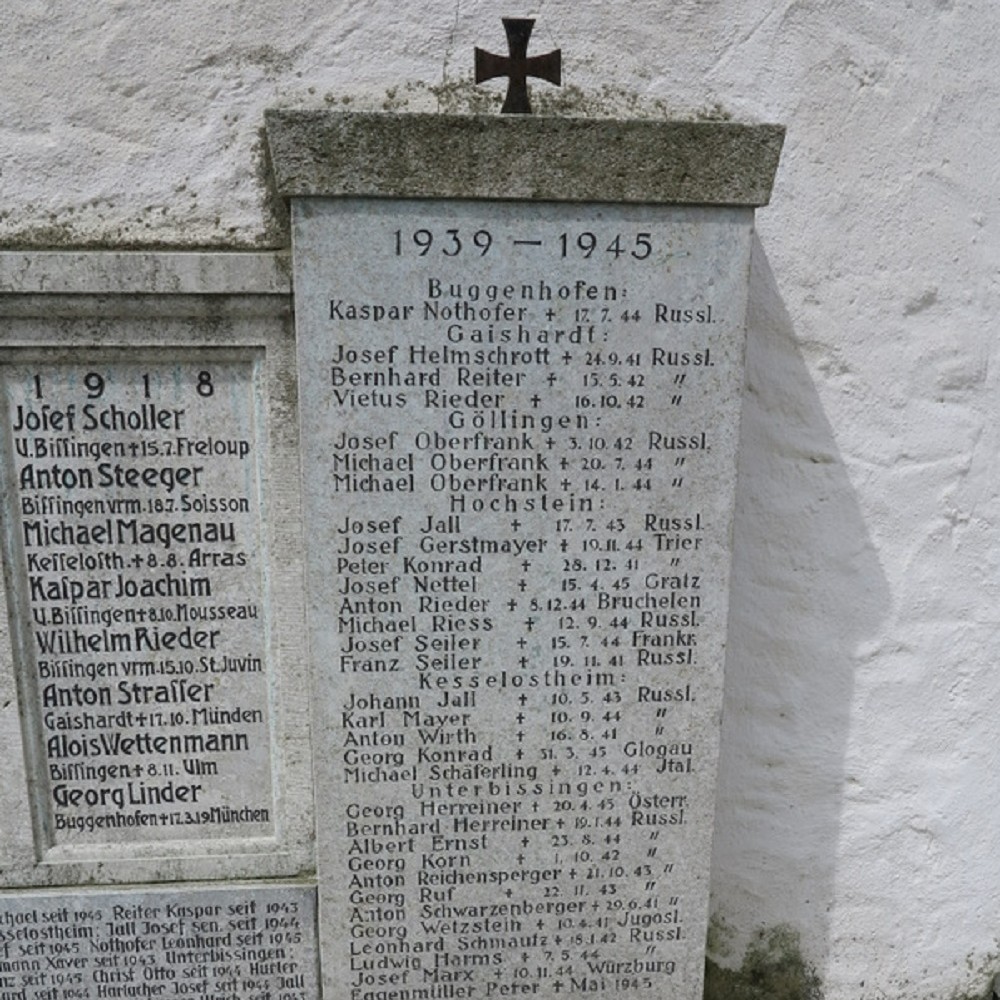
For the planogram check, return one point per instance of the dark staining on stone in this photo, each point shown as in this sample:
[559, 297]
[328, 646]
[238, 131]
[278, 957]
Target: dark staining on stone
[773, 968]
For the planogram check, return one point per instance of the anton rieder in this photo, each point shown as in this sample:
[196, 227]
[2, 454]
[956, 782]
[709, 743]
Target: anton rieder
[135, 547]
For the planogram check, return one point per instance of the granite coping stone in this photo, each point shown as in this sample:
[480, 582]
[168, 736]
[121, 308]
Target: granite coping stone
[521, 158]
[132, 272]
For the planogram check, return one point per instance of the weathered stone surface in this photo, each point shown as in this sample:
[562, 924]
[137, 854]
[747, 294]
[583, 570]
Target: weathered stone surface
[227, 943]
[139, 487]
[318, 153]
[519, 427]
[153, 690]
[143, 273]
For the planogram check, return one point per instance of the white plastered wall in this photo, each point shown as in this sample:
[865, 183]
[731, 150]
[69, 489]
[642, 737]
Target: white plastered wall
[860, 761]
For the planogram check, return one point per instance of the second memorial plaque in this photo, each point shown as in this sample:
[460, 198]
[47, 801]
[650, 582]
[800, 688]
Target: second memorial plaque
[135, 527]
[519, 436]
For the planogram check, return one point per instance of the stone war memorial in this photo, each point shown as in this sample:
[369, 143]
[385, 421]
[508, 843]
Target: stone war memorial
[366, 623]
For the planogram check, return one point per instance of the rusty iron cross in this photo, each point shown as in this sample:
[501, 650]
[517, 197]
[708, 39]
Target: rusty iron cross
[518, 66]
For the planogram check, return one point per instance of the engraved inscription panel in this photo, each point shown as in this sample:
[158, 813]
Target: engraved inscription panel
[519, 436]
[134, 538]
[223, 943]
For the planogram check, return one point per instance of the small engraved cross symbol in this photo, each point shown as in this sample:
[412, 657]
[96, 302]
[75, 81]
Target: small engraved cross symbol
[518, 66]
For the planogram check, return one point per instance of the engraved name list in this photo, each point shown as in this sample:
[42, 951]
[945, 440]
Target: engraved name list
[135, 525]
[519, 432]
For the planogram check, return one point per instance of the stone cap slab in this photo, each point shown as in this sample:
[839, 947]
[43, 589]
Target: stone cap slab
[134, 272]
[521, 158]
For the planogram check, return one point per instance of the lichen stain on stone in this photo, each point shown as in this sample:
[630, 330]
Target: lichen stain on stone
[271, 60]
[43, 236]
[773, 968]
[986, 993]
[274, 209]
[983, 969]
[285, 397]
[719, 941]
[463, 96]
[919, 303]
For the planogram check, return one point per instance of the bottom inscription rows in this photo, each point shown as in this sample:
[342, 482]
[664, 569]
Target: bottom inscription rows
[239, 943]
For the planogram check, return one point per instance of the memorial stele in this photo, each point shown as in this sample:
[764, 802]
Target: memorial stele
[520, 356]
[380, 658]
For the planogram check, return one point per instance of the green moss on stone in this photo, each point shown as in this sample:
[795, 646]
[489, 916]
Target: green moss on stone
[773, 969]
[720, 935]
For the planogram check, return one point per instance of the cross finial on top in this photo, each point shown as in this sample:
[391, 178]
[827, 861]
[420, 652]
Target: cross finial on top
[518, 66]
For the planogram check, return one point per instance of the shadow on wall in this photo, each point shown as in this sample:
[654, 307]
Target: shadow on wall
[807, 588]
